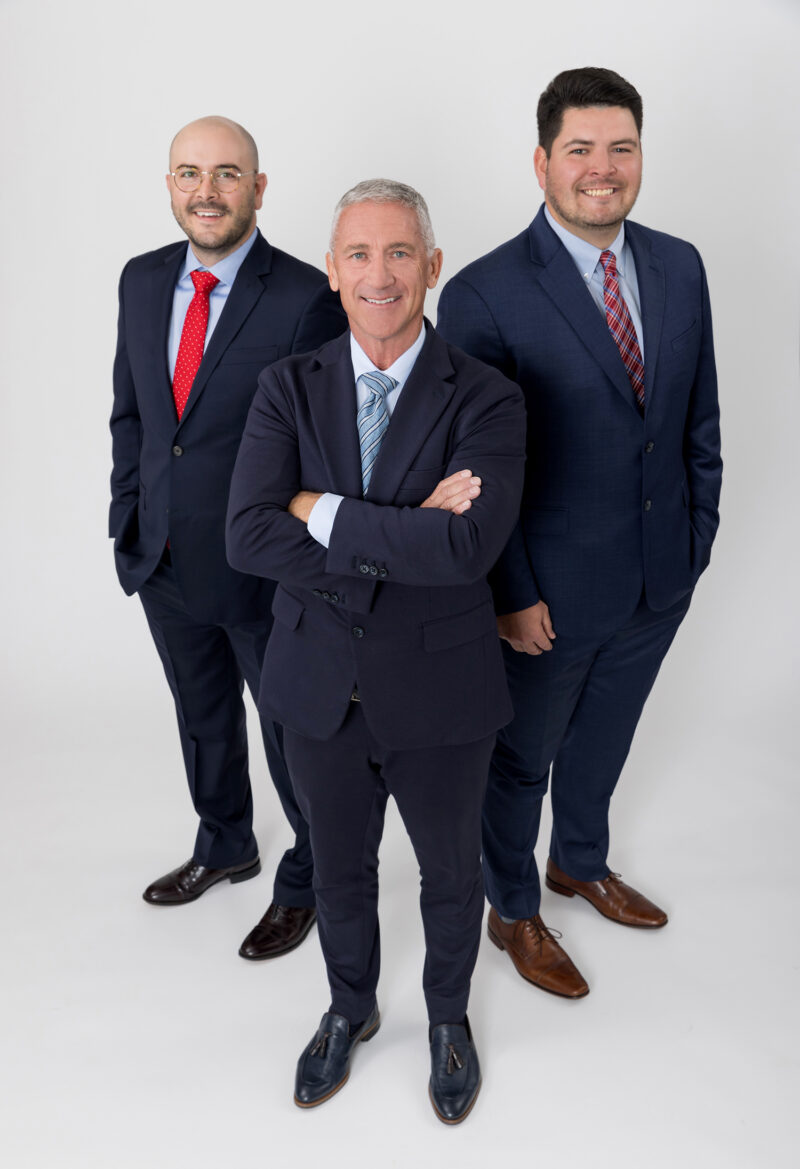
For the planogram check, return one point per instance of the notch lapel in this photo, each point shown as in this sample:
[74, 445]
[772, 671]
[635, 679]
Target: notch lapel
[156, 300]
[244, 295]
[423, 399]
[561, 281]
[652, 292]
[332, 403]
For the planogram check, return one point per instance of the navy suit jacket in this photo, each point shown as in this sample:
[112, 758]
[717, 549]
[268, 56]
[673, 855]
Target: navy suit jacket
[398, 605]
[613, 503]
[170, 479]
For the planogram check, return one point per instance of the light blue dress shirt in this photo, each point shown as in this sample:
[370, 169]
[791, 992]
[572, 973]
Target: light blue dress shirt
[323, 513]
[587, 261]
[225, 271]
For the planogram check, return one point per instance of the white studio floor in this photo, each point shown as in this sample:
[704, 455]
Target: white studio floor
[136, 1038]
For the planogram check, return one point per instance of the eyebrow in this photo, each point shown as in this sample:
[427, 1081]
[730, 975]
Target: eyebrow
[389, 247]
[591, 142]
[216, 166]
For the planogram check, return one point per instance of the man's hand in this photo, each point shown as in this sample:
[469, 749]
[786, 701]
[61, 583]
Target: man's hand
[528, 632]
[455, 493]
[300, 507]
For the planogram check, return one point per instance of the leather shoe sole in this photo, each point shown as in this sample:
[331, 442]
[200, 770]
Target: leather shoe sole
[611, 897]
[190, 881]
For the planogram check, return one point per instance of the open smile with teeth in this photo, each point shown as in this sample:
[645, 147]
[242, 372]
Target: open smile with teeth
[598, 192]
[209, 214]
[386, 300]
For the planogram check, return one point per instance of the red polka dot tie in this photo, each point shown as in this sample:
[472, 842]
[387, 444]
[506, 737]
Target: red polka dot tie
[621, 326]
[193, 339]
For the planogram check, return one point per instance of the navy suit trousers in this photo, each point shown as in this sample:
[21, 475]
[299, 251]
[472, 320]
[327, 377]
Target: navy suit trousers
[206, 668]
[576, 707]
[343, 784]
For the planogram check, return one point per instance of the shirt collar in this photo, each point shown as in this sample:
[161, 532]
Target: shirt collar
[586, 255]
[399, 370]
[225, 270]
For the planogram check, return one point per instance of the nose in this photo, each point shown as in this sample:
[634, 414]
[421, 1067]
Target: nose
[602, 163]
[206, 188]
[380, 273]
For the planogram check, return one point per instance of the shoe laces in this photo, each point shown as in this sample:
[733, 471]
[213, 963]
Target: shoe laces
[454, 1061]
[538, 931]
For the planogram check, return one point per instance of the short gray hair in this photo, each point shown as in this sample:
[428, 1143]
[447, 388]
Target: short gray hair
[387, 191]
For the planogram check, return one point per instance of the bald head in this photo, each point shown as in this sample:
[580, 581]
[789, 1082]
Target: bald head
[214, 127]
[216, 221]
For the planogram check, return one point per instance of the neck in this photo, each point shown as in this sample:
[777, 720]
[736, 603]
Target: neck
[384, 352]
[211, 256]
[600, 236]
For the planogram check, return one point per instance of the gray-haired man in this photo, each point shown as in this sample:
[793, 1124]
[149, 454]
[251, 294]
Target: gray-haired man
[377, 481]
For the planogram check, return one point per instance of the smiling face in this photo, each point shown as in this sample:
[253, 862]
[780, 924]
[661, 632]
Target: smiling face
[216, 223]
[593, 174]
[381, 269]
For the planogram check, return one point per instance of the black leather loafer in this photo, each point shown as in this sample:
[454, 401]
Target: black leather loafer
[281, 929]
[455, 1071]
[324, 1066]
[190, 881]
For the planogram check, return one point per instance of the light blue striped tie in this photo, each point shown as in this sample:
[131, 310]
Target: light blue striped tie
[372, 420]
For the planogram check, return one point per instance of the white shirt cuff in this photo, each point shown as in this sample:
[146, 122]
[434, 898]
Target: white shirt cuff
[323, 513]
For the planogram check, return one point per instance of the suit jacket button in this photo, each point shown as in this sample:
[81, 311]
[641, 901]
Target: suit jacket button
[317, 592]
[382, 572]
[326, 596]
[358, 631]
[334, 597]
[648, 503]
[177, 450]
[374, 570]
[363, 568]
[649, 447]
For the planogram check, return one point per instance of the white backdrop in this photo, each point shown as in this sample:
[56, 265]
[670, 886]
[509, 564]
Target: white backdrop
[441, 95]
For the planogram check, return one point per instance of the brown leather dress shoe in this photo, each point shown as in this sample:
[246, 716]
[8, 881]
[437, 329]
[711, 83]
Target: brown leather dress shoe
[191, 880]
[281, 929]
[611, 897]
[537, 955]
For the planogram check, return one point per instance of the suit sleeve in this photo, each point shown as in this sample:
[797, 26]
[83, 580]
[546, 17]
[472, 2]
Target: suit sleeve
[407, 545]
[126, 431]
[261, 537]
[464, 319]
[322, 320]
[429, 546]
[701, 446]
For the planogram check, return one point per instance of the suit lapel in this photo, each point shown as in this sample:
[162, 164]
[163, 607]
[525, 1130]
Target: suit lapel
[246, 290]
[156, 315]
[652, 293]
[423, 398]
[561, 281]
[332, 403]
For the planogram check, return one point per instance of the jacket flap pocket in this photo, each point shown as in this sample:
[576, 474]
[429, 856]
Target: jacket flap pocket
[446, 632]
[286, 608]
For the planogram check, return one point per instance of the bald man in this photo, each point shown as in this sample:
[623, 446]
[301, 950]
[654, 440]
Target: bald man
[197, 323]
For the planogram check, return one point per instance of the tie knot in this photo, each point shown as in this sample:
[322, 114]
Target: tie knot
[378, 383]
[204, 281]
[609, 262]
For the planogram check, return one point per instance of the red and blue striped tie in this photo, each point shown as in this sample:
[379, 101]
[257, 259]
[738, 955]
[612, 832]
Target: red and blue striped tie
[621, 326]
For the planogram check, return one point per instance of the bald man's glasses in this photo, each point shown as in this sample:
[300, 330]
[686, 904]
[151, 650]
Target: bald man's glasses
[224, 178]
